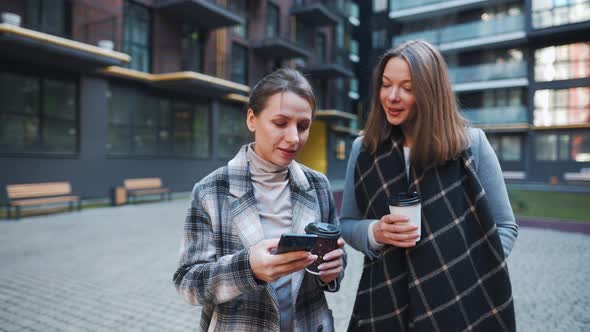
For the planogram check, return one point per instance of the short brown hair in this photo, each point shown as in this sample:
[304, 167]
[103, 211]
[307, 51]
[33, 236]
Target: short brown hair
[281, 80]
[438, 128]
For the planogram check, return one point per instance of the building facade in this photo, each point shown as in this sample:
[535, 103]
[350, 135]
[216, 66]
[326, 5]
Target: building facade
[520, 70]
[95, 92]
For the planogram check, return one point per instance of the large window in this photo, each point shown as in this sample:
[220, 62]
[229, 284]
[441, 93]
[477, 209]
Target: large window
[144, 125]
[562, 107]
[379, 38]
[232, 127]
[562, 62]
[507, 147]
[573, 146]
[320, 48]
[48, 16]
[272, 20]
[192, 49]
[503, 97]
[136, 38]
[548, 13]
[379, 5]
[239, 66]
[38, 114]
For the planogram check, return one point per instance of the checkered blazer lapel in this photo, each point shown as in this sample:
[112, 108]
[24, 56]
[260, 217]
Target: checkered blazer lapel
[456, 278]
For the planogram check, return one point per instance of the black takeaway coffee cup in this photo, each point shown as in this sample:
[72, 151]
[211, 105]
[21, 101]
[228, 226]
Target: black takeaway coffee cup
[328, 236]
[407, 204]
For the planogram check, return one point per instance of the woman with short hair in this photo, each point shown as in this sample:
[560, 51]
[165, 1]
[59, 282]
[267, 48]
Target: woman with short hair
[239, 211]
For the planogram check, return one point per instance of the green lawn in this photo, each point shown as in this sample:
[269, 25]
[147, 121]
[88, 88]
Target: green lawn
[551, 205]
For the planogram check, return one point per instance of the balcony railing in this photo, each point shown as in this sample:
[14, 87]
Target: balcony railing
[314, 13]
[496, 115]
[397, 5]
[472, 30]
[281, 46]
[488, 72]
[405, 4]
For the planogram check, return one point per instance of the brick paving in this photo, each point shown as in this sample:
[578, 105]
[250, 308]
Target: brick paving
[110, 269]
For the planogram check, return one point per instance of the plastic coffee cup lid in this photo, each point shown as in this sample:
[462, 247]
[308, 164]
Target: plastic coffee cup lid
[322, 229]
[404, 199]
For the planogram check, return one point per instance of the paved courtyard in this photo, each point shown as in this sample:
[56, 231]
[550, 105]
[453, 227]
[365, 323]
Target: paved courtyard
[110, 269]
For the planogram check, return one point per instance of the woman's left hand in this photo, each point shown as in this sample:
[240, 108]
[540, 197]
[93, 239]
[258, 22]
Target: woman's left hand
[333, 264]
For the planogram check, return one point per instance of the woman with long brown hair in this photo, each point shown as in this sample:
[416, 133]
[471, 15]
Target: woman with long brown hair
[454, 276]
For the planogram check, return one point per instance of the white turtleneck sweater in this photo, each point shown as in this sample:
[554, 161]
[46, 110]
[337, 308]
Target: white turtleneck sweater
[273, 202]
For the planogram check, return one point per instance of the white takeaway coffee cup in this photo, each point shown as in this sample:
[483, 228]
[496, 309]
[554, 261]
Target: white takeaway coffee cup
[409, 205]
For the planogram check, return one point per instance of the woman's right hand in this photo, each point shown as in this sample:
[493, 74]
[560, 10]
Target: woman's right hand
[395, 230]
[268, 267]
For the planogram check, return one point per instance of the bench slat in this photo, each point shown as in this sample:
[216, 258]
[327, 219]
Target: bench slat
[16, 191]
[149, 191]
[146, 183]
[41, 201]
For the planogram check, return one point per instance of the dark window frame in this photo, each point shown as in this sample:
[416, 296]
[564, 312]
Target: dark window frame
[133, 124]
[129, 46]
[272, 7]
[246, 61]
[40, 114]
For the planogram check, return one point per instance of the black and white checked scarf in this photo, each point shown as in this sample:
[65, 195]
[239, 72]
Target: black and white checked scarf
[456, 278]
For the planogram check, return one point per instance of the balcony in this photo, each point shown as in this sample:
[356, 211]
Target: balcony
[206, 14]
[337, 66]
[402, 10]
[20, 44]
[314, 13]
[494, 32]
[184, 81]
[279, 47]
[339, 121]
[489, 76]
[509, 118]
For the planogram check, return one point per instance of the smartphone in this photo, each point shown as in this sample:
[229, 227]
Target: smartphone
[296, 242]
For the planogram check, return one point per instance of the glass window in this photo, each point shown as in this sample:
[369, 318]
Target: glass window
[146, 125]
[379, 38]
[340, 35]
[354, 50]
[511, 148]
[47, 16]
[136, 36]
[272, 20]
[546, 147]
[580, 151]
[562, 107]
[379, 5]
[320, 47]
[562, 62]
[548, 13]
[232, 127]
[39, 115]
[239, 67]
[564, 143]
[192, 50]
[239, 7]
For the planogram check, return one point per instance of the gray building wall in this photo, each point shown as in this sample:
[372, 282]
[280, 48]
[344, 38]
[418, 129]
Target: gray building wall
[91, 172]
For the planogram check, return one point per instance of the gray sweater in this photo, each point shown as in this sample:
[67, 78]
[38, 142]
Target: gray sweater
[355, 229]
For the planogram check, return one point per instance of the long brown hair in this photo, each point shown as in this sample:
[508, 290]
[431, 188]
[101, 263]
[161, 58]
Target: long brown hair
[437, 127]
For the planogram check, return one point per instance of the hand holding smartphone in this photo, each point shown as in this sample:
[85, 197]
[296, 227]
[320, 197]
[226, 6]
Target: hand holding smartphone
[296, 242]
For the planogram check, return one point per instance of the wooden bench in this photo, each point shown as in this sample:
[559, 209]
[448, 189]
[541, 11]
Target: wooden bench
[34, 194]
[145, 186]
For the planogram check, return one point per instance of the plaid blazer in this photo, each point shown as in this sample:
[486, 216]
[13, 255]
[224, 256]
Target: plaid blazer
[214, 269]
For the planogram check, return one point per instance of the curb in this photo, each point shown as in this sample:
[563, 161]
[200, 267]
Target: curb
[559, 225]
